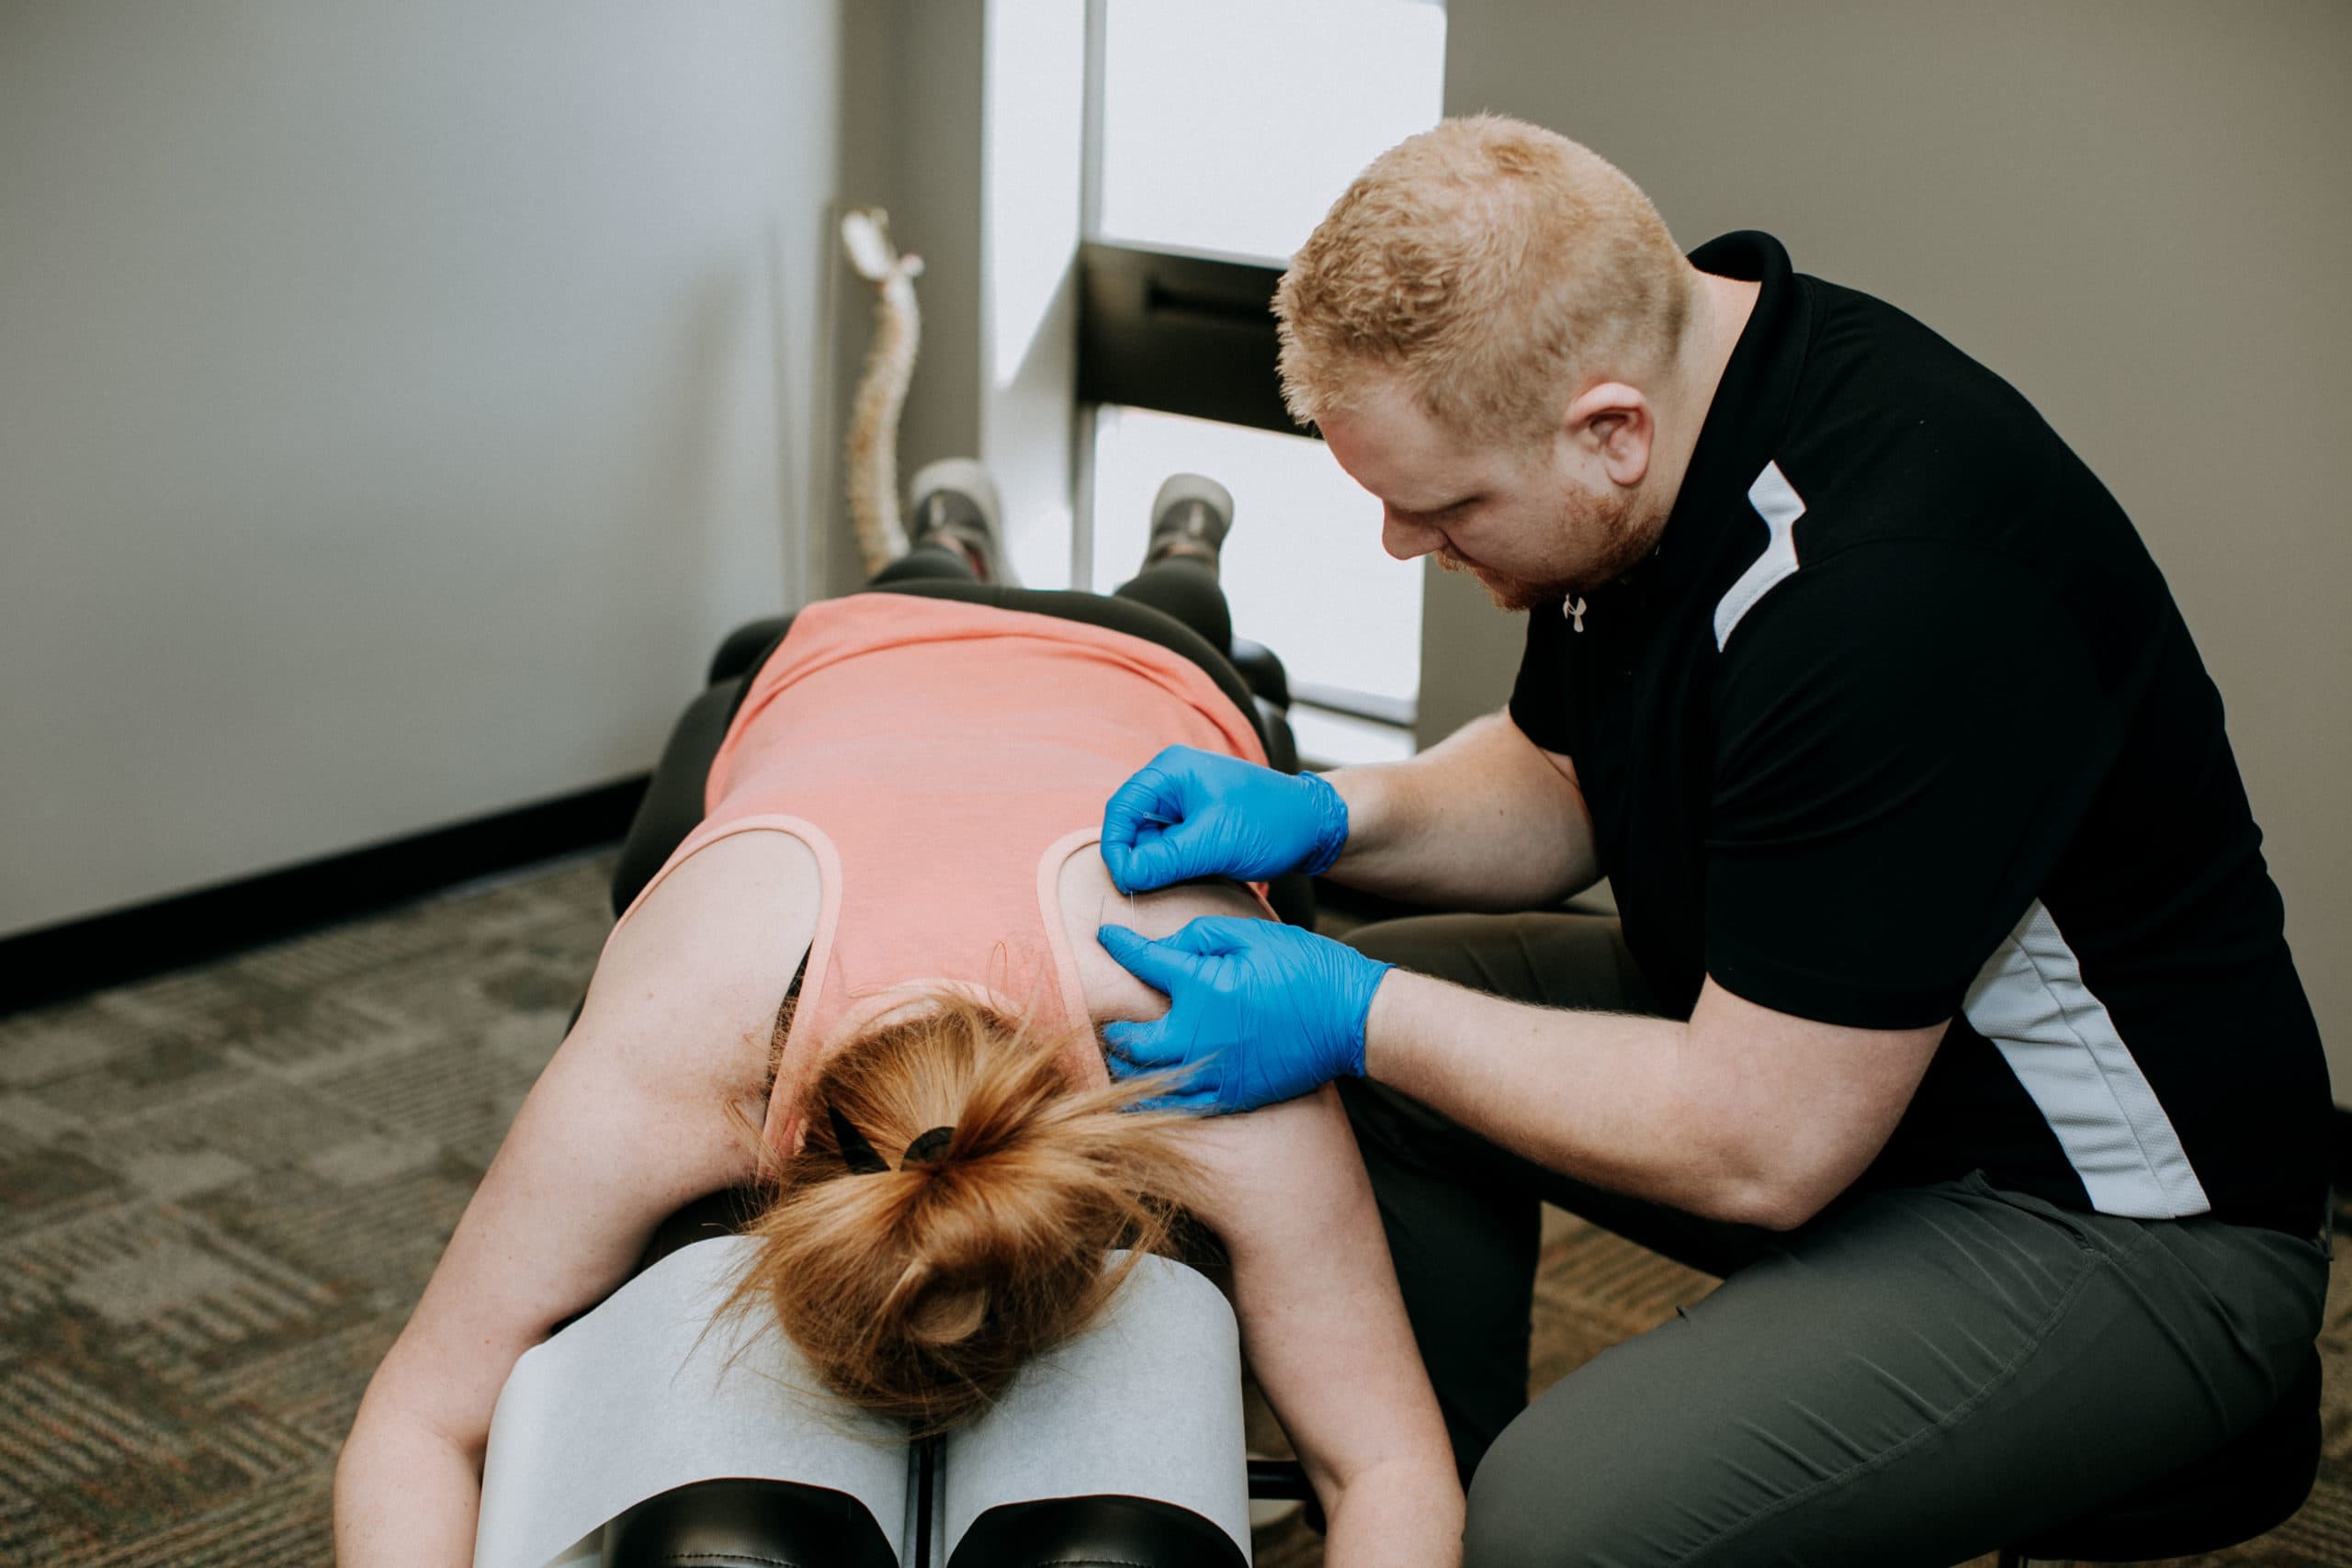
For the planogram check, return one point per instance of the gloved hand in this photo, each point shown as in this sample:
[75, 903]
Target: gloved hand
[1260, 1012]
[1191, 813]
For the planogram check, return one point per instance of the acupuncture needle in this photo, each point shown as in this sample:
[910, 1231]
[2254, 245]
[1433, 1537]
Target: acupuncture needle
[1156, 822]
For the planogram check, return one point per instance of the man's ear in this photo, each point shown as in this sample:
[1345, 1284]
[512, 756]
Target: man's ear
[1611, 422]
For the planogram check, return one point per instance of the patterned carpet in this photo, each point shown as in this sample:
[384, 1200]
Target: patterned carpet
[221, 1189]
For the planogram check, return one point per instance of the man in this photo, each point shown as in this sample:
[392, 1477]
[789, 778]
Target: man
[1950, 1017]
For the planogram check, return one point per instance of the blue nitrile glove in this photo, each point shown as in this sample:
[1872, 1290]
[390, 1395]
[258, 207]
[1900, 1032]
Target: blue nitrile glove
[1191, 813]
[1259, 1012]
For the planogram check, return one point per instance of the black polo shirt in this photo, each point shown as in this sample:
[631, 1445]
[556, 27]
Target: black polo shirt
[1899, 724]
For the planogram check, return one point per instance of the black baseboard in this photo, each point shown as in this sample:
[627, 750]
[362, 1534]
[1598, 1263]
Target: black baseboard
[149, 939]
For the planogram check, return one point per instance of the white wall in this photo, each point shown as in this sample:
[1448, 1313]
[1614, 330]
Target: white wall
[2134, 209]
[396, 403]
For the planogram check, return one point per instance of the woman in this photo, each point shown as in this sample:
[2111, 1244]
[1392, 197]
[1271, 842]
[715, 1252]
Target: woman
[868, 980]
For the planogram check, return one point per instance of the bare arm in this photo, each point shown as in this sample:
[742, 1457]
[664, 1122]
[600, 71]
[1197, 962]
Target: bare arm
[1743, 1113]
[625, 1125]
[1322, 1321]
[1483, 820]
[1324, 1327]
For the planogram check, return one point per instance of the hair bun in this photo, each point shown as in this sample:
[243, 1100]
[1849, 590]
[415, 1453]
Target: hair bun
[920, 1295]
[948, 1313]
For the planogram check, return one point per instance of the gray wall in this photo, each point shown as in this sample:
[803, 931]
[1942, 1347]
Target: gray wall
[2135, 210]
[962, 122]
[911, 142]
[396, 402]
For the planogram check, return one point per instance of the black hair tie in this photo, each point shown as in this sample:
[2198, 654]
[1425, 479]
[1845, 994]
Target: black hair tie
[859, 1155]
[931, 1145]
[856, 1153]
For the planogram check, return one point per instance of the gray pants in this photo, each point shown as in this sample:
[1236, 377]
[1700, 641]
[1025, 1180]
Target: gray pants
[1917, 1376]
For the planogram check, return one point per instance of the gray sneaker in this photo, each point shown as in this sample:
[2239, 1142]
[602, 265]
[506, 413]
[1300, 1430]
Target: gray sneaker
[1190, 517]
[953, 505]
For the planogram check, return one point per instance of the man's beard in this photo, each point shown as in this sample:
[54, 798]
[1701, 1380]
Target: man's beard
[1619, 539]
[1507, 592]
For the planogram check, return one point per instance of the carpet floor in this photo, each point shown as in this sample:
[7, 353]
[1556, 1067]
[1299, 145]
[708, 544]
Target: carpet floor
[222, 1189]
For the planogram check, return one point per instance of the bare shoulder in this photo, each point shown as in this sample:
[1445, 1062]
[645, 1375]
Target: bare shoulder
[631, 1119]
[1090, 901]
[694, 978]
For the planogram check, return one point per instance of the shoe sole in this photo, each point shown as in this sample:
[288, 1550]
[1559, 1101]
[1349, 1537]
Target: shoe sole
[970, 480]
[1180, 491]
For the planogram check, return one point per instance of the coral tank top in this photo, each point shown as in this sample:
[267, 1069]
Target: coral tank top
[942, 760]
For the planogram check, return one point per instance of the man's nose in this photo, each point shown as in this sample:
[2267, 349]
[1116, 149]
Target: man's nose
[1404, 538]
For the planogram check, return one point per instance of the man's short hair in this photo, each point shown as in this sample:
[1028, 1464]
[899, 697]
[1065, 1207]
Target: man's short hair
[1488, 263]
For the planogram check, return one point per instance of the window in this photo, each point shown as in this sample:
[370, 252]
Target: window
[1224, 128]
[1302, 569]
[1232, 125]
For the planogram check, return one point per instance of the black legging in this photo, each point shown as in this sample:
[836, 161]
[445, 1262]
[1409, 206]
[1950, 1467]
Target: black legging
[1181, 588]
[1175, 604]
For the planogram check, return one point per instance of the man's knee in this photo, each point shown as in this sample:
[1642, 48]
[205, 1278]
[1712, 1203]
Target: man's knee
[1547, 958]
[1427, 944]
[1553, 1491]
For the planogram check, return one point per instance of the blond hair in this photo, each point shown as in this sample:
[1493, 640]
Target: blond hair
[918, 1291]
[1485, 263]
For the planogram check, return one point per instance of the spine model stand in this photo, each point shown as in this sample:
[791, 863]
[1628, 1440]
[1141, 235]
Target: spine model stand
[872, 455]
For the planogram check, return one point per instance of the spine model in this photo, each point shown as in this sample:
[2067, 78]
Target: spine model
[873, 455]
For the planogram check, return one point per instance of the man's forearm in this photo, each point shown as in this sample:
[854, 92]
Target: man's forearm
[1609, 1099]
[1481, 821]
